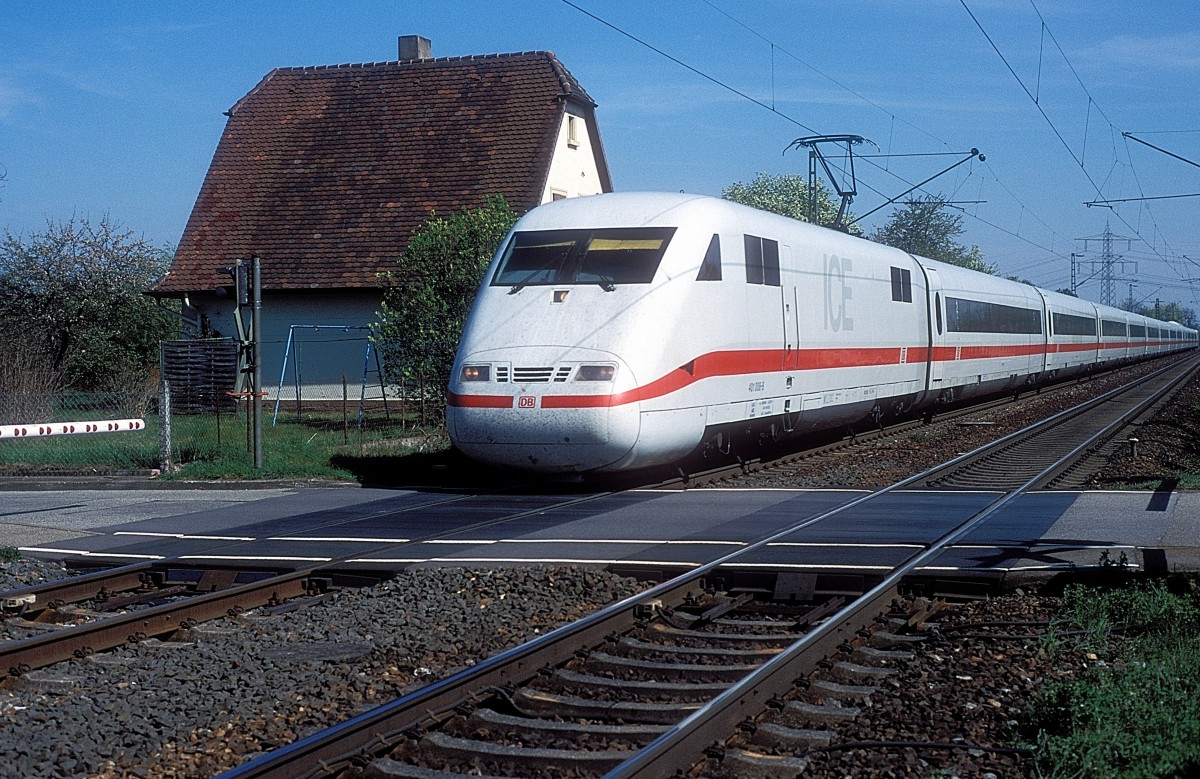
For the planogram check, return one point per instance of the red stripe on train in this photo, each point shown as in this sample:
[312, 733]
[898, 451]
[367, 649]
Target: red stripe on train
[753, 361]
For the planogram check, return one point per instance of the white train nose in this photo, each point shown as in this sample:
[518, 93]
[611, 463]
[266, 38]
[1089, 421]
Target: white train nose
[564, 440]
[565, 415]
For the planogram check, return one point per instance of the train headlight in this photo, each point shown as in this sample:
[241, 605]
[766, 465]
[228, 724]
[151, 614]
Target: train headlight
[595, 373]
[476, 373]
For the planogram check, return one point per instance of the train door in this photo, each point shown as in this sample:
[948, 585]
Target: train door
[790, 301]
[935, 370]
[1047, 334]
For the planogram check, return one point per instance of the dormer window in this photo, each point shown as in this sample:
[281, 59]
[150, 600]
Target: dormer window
[573, 131]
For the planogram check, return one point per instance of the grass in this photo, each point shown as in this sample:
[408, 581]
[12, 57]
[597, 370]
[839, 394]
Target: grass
[319, 447]
[1139, 715]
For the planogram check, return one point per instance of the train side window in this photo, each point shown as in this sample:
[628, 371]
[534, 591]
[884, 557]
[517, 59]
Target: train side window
[964, 315]
[902, 285]
[770, 262]
[762, 261]
[754, 260]
[710, 268]
[937, 307]
[1072, 324]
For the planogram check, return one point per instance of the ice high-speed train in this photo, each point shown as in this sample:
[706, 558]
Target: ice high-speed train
[630, 330]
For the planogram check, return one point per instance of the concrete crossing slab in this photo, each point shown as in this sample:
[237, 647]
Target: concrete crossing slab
[1042, 531]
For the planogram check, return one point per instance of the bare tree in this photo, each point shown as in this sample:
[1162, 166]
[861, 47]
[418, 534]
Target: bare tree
[73, 295]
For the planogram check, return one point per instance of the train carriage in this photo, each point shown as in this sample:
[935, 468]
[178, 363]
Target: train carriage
[629, 330]
[1073, 335]
[988, 333]
[1114, 337]
[1137, 336]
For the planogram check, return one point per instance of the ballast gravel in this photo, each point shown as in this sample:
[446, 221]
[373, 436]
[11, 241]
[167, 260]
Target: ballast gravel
[22, 572]
[878, 463]
[229, 689]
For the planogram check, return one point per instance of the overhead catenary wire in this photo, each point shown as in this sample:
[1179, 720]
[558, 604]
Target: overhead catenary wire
[1135, 199]
[706, 76]
[775, 46]
[1058, 134]
[783, 115]
[683, 64]
[1019, 233]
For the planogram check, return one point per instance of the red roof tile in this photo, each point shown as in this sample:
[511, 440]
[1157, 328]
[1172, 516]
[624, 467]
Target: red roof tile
[325, 172]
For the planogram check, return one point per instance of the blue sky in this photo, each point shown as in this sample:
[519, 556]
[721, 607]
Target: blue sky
[116, 108]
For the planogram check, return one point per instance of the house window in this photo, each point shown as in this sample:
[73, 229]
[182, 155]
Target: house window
[557, 194]
[901, 285]
[762, 261]
[573, 131]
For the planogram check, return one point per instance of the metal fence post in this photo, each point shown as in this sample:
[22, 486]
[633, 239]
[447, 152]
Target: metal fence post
[256, 327]
[164, 425]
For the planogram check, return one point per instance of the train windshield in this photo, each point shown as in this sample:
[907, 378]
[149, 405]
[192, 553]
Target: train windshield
[607, 257]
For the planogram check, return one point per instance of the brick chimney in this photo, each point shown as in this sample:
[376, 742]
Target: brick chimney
[414, 47]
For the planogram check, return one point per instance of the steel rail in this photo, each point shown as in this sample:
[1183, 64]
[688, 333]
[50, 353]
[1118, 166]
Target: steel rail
[1186, 367]
[23, 655]
[1146, 408]
[319, 753]
[39, 597]
[19, 657]
[681, 747]
[315, 754]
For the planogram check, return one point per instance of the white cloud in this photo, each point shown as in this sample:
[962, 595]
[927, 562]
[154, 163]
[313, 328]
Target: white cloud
[1168, 52]
[11, 97]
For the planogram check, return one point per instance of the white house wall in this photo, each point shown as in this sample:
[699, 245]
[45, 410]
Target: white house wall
[573, 169]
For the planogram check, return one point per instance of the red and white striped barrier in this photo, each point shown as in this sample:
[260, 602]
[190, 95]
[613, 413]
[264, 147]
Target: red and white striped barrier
[43, 429]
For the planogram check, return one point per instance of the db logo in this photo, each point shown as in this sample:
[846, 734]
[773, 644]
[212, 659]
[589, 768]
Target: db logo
[527, 401]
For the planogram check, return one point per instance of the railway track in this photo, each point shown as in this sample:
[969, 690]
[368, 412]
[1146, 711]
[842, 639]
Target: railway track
[80, 616]
[710, 638]
[1066, 439]
[846, 446]
[674, 678]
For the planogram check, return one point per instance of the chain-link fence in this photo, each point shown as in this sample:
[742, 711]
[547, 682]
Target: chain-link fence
[210, 439]
[128, 451]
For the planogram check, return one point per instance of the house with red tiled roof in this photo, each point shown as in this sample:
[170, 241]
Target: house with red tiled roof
[325, 172]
